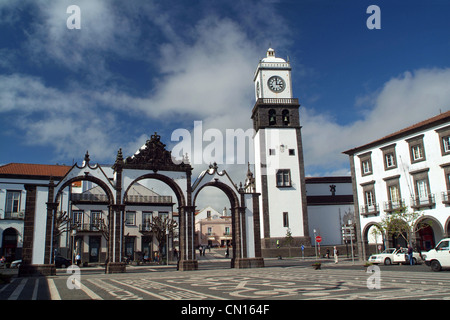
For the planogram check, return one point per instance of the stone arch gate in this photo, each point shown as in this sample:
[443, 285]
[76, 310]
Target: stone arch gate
[151, 161]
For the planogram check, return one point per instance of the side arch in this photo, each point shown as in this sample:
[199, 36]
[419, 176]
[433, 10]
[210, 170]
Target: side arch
[95, 180]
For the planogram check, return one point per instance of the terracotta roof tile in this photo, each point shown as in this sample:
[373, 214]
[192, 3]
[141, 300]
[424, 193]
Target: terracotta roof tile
[29, 169]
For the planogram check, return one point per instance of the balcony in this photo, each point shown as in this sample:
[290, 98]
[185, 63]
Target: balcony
[87, 227]
[391, 206]
[368, 210]
[275, 101]
[88, 197]
[445, 197]
[418, 202]
[148, 199]
[14, 215]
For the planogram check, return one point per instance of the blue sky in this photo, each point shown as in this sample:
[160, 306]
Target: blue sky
[136, 67]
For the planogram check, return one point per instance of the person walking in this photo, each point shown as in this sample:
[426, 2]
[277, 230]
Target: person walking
[410, 255]
[336, 254]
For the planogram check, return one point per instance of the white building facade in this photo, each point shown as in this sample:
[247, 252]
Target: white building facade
[409, 168]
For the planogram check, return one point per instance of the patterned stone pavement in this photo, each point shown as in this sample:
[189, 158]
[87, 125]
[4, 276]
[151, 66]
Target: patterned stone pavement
[277, 282]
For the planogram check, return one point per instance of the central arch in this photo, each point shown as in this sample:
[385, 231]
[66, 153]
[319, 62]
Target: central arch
[234, 204]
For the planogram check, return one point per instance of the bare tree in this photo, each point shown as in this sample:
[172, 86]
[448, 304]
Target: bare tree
[161, 227]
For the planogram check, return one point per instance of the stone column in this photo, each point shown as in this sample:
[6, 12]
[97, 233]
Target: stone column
[187, 251]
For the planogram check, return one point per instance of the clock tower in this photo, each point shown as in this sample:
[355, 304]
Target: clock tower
[279, 167]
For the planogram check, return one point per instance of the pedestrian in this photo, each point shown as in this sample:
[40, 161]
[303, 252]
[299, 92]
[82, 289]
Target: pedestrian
[336, 254]
[328, 253]
[201, 250]
[410, 255]
[78, 259]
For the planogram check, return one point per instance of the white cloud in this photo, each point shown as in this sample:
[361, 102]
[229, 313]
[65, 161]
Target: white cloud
[402, 101]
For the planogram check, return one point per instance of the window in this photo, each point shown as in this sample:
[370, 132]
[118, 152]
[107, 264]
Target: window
[423, 197]
[394, 194]
[366, 163]
[284, 178]
[292, 152]
[366, 167]
[271, 152]
[446, 144]
[227, 230]
[444, 138]
[130, 218]
[417, 152]
[369, 198]
[163, 215]
[285, 219]
[417, 149]
[208, 213]
[210, 233]
[12, 201]
[444, 245]
[147, 220]
[96, 217]
[370, 206]
[390, 158]
[147, 217]
[77, 218]
[422, 189]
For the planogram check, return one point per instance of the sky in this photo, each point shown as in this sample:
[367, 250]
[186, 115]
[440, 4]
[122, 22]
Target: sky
[137, 67]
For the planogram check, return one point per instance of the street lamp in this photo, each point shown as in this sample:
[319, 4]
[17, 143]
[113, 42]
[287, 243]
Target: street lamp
[350, 223]
[167, 244]
[315, 242]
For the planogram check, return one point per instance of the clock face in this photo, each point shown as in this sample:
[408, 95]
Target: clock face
[276, 84]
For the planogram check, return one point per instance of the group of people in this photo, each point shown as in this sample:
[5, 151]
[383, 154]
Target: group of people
[202, 249]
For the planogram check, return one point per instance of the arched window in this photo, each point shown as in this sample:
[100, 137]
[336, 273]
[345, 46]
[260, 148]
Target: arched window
[272, 117]
[285, 117]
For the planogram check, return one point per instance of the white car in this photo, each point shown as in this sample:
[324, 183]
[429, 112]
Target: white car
[392, 255]
[15, 264]
[439, 257]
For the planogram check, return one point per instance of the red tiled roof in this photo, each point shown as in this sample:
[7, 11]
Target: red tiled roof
[440, 118]
[29, 169]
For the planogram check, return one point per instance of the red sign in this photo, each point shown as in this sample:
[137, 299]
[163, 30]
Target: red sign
[319, 239]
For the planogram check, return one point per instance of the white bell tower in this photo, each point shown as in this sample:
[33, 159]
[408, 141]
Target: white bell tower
[279, 167]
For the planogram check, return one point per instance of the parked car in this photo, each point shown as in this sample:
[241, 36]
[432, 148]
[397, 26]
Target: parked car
[61, 262]
[15, 264]
[439, 257]
[392, 255]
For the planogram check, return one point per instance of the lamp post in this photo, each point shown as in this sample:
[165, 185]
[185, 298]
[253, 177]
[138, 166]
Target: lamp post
[315, 242]
[167, 244]
[350, 223]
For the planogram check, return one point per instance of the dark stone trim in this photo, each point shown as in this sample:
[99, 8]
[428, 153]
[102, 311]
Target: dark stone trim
[302, 182]
[28, 227]
[33, 270]
[243, 263]
[115, 267]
